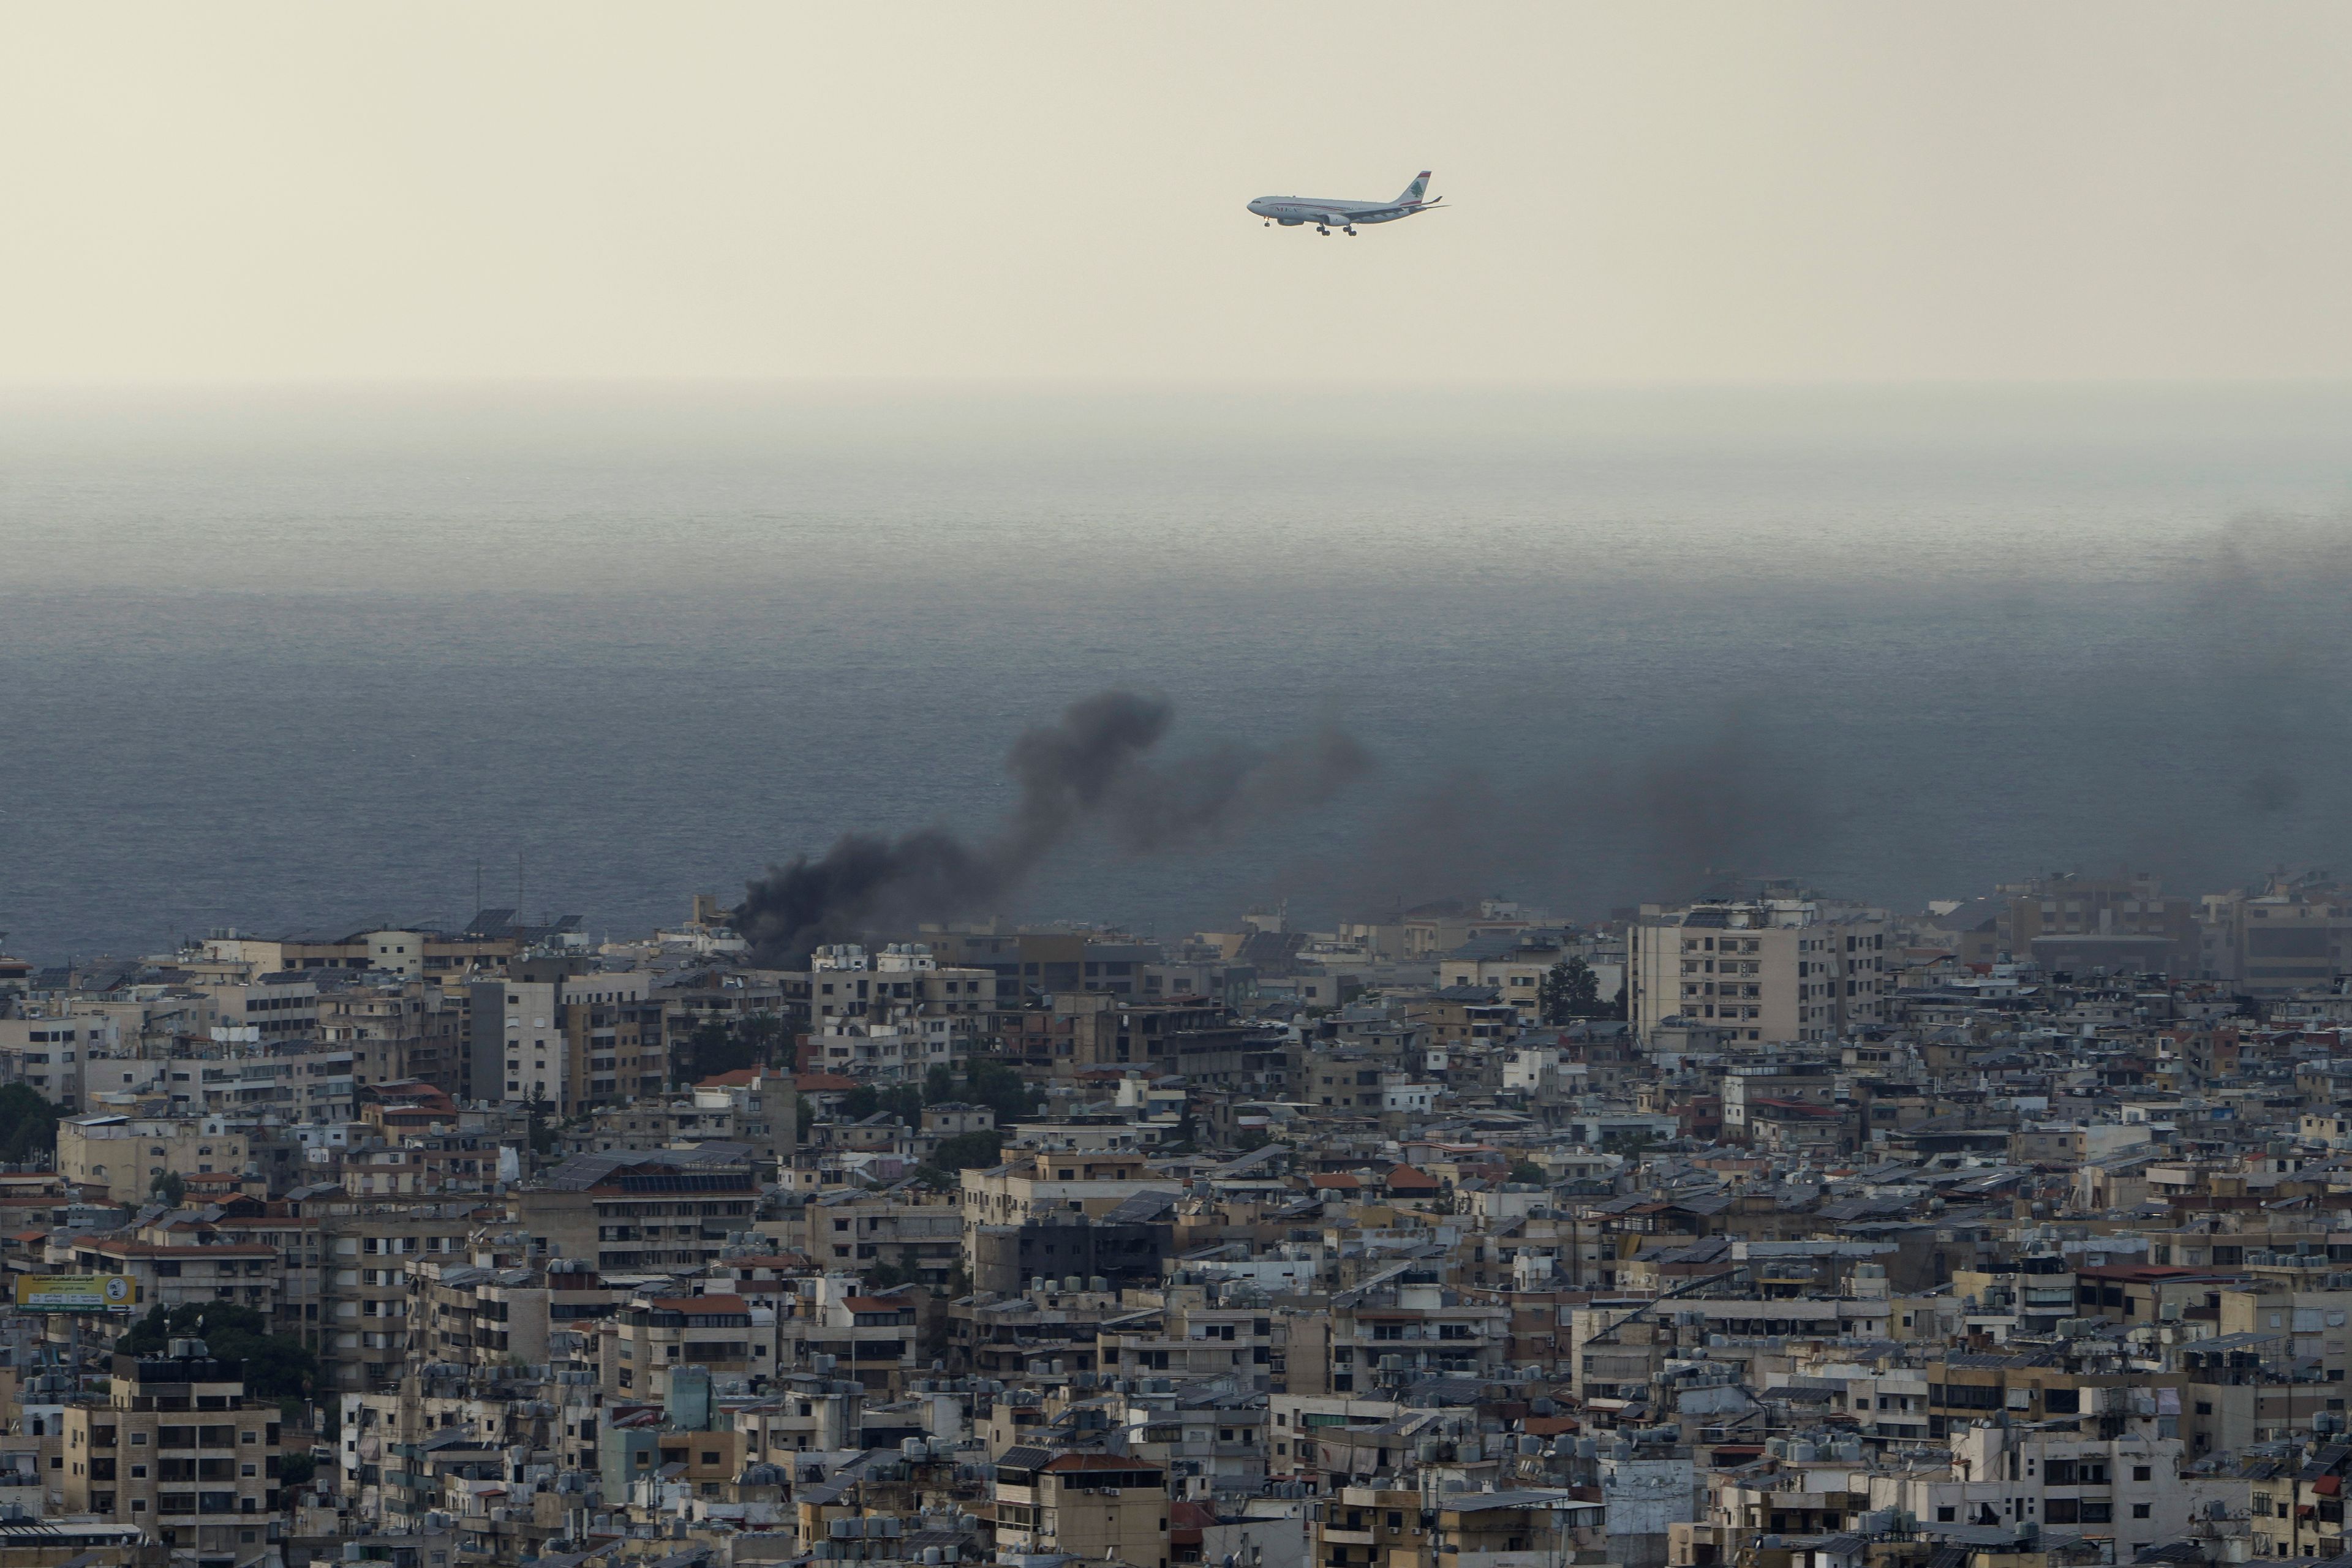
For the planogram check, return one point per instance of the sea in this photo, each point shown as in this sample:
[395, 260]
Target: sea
[310, 658]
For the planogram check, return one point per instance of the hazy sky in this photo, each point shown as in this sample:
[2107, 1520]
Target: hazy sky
[1643, 191]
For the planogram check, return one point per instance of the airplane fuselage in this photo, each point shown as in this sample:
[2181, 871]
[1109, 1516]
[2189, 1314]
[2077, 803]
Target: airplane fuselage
[1290, 211]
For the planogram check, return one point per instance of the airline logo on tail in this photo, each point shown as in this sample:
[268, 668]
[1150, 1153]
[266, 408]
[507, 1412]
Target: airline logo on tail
[1413, 192]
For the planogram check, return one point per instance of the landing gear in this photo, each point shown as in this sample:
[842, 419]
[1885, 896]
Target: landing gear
[1269, 223]
[1321, 230]
[1351, 234]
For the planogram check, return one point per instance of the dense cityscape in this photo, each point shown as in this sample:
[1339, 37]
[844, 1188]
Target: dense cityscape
[1768, 1229]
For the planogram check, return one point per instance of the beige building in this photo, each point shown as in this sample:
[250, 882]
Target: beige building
[371, 1280]
[126, 1155]
[432, 955]
[652, 1336]
[1365, 1527]
[670, 1211]
[1514, 967]
[1051, 1182]
[2279, 943]
[246, 1273]
[179, 1450]
[1095, 1506]
[1772, 970]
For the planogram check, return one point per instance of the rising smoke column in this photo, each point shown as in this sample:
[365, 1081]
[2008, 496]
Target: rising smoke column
[1090, 766]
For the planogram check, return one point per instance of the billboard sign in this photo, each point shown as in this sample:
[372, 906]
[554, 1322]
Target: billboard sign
[74, 1293]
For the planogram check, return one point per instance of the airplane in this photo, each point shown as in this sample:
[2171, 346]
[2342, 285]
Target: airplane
[1292, 211]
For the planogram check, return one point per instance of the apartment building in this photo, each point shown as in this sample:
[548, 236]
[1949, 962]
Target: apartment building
[612, 1038]
[1513, 966]
[1366, 1527]
[126, 1155]
[178, 1450]
[276, 1007]
[896, 1014]
[1775, 1079]
[166, 1275]
[806, 1412]
[434, 955]
[1764, 970]
[413, 1030]
[369, 1280]
[494, 1317]
[2125, 1488]
[295, 1084]
[1211, 1443]
[673, 1210]
[558, 1032]
[651, 1336]
[840, 1329]
[847, 981]
[1094, 1507]
[48, 1051]
[1384, 1334]
[916, 1235]
[1047, 1182]
[2277, 942]
[1187, 1340]
[2123, 925]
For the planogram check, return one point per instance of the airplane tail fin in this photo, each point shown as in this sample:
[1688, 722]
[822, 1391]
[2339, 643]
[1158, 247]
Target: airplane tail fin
[1413, 192]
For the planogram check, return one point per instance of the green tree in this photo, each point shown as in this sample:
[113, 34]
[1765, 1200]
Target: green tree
[1529, 1171]
[939, 1085]
[969, 1151]
[1003, 1090]
[762, 1035]
[860, 1103]
[803, 1114]
[1186, 1141]
[542, 1127]
[168, 1188]
[275, 1365]
[1569, 991]
[906, 1103]
[711, 1049]
[29, 1127]
[882, 1276]
[296, 1469]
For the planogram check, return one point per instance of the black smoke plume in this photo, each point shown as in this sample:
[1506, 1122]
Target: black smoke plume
[1709, 811]
[1092, 767]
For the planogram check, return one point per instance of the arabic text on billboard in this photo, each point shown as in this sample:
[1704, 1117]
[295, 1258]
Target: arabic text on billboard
[72, 1292]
